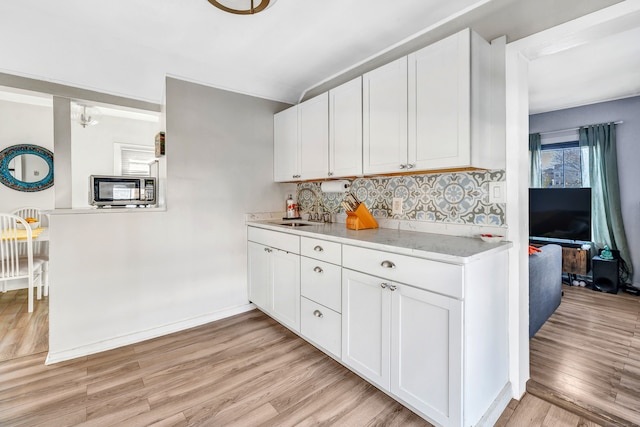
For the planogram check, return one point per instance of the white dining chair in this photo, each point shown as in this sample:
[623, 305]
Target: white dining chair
[14, 265]
[40, 249]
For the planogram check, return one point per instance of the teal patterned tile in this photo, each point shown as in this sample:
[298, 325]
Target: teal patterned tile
[460, 197]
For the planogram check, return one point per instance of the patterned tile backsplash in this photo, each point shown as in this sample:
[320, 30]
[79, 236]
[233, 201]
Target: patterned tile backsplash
[457, 197]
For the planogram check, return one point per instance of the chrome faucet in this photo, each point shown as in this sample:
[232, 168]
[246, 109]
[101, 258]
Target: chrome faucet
[319, 215]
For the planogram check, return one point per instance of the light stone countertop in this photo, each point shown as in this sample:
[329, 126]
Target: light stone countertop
[437, 247]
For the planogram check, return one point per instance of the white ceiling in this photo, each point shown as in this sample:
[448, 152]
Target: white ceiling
[275, 54]
[127, 48]
[602, 70]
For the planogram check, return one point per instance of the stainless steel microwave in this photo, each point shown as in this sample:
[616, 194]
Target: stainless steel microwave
[122, 190]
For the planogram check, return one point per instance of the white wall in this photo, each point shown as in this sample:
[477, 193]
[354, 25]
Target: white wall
[92, 149]
[120, 277]
[25, 124]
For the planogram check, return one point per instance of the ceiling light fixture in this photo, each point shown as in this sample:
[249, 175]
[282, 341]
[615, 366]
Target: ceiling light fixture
[242, 7]
[86, 115]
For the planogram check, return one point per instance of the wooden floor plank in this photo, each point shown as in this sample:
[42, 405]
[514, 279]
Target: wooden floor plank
[531, 412]
[22, 333]
[248, 369]
[587, 354]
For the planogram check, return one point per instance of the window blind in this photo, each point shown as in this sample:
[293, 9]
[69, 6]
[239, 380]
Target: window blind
[137, 161]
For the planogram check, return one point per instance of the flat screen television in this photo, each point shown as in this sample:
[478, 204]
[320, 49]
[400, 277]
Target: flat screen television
[560, 213]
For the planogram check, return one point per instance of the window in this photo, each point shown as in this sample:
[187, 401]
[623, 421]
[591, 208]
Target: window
[134, 160]
[560, 165]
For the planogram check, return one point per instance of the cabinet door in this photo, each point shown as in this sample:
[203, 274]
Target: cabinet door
[345, 129]
[258, 269]
[285, 288]
[366, 309]
[385, 118]
[285, 145]
[313, 116]
[439, 104]
[321, 325]
[426, 353]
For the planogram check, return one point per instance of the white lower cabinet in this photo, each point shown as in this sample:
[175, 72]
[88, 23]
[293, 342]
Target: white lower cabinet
[320, 288]
[285, 288]
[321, 325]
[366, 326]
[259, 267]
[431, 334]
[426, 352]
[274, 280]
[406, 340]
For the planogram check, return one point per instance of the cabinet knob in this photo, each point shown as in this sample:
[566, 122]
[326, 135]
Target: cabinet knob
[393, 287]
[330, 174]
[383, 285]
[318, 313]
[267, 250]
[387, 264]
[403, 166]
[317, 270]
[410, 166]
[318, 249]
[296, 176]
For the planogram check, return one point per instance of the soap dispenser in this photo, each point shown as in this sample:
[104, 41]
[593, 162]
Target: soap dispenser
[291, 207]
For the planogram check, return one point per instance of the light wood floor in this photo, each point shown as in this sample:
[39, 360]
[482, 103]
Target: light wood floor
[587, 356]
[22, 333]
[246, 370]
[532, 411]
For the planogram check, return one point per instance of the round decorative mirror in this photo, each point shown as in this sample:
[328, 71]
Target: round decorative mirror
[26, 167]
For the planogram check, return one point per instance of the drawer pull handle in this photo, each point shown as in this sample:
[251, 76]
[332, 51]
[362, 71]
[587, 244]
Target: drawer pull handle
[387, 264]
[392, 287]
[383, 285]
[318, 313]
[318, 270]
[318, 249]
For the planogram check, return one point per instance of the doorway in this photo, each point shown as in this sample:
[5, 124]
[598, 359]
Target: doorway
[520, 54]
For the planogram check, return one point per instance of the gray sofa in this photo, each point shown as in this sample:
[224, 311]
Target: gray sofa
[545, 285]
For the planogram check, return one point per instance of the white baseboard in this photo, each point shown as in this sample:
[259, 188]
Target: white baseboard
[497, 407]
[137, 337]
[14, 285]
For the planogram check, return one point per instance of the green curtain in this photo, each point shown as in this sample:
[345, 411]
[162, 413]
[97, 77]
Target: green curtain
[535, 172]
[600, 162]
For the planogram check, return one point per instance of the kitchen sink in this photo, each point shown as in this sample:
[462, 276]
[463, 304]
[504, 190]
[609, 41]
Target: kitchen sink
[295, 224]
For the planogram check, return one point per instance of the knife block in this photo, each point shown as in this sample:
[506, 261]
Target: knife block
[361, 219]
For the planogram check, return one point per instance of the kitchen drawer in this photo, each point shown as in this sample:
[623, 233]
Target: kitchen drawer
[321, 249]
[440, 277]
[284, 241]
[322, 326]
[321, 282]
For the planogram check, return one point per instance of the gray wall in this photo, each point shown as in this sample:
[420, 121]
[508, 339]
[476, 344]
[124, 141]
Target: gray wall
[125, 275]
[628, 145]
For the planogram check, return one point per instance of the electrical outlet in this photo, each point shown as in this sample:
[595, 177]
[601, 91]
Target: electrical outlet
[497, 192]
[396, 207]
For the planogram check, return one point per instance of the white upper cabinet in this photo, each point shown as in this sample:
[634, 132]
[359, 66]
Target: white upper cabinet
[286, 156]
[450, 89]
[301, 141]
[385, 118]
[345, 129]
[313, 127]
[441, 107]
[439, 97]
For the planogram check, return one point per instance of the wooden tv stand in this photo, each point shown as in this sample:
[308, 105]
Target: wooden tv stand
[575, 260]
